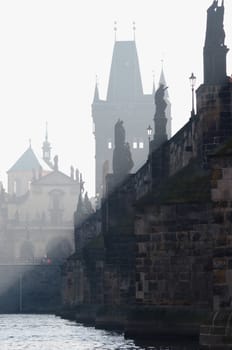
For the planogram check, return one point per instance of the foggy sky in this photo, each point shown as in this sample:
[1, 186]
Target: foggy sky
[51, 51]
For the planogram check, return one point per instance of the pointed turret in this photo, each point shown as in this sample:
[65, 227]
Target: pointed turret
[153, 89]
[96, 94]
[46, 148]
[163, 82]
[153, 85]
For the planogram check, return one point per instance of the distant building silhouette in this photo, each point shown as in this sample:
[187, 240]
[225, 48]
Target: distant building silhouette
[125, 101]
[36, 214]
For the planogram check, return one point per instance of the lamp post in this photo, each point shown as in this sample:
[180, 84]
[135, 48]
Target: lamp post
[149, 133]
[192, 80]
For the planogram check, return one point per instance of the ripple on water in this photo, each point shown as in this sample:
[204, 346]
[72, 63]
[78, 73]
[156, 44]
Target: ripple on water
[47, 332]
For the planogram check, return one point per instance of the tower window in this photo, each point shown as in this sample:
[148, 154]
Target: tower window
[109, 145]
[141, 145]
[135, 145]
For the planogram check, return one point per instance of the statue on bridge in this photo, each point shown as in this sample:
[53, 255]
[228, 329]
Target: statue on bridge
[215, 34]
[160, 120]
[215, 50]
[160, 100]
[122, 160]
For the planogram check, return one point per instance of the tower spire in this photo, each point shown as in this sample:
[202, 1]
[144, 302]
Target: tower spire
[153, 82]
[115, 31]
[46, 148]
[134, 30]
[163, 82]
[96, 92]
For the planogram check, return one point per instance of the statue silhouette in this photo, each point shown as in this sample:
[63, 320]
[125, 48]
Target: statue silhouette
[215, 34]
[215, 50]
[122, 160]
[160, 101]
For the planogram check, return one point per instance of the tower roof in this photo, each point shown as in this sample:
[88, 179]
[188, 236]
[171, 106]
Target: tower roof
[96, 93]
[125, 82]
[29, 161]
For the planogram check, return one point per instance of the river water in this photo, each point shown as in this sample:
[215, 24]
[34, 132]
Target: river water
[47, 332]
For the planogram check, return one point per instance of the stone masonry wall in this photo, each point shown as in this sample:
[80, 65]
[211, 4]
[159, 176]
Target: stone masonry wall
[174, 255]
[222, 227]
[165, 243]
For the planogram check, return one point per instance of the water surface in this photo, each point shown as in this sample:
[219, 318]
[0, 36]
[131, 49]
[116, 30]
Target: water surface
[47, 332]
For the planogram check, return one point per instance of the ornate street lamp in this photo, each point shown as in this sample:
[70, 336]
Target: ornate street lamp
[192, 80]
[149, 133]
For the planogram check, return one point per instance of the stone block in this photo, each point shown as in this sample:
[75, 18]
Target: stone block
[227, 173]
[220, 263]
[219, 277]
[215, 194]
[220, 289]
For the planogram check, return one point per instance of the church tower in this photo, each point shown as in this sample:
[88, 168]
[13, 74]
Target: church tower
[125, 101]
[46, 148]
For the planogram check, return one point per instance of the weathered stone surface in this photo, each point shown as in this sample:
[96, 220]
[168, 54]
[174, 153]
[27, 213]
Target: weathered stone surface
[166, 233]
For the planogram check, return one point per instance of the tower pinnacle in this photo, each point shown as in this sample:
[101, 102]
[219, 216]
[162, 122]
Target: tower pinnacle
[134, 30]
[153, 83]
[96, 92]
[46, 148]
[115, 31]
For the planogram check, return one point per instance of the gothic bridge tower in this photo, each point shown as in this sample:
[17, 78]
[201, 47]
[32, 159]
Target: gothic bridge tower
[125, 101]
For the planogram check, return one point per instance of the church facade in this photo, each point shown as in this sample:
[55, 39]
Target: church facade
[37, 210]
